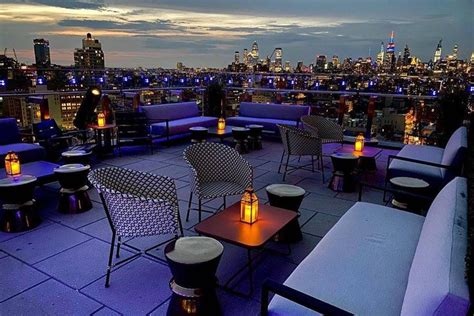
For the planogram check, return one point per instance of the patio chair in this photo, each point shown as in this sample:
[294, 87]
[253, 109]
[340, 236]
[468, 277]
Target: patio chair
[132, 130]
[300, 142]
[435, 165]
[327, 130]
[217, 170]
[137, 204]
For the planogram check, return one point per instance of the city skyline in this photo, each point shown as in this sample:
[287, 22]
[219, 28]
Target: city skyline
[208, 33]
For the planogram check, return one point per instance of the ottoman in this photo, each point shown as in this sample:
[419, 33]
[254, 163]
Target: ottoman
[288, 197]
[74, 185]
[193, 262]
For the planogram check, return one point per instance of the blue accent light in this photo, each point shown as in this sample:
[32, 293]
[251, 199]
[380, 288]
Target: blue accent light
[270, 81]
[230, 81]
[471, 89]
[73, 81]
[434, 93]
[197, 80]
[181, 80]
[147, 81]
[101, 80]
[3, 83]
[371, 83]
[125, 79]
[399, 89]
[166, 79]
[292, 82]
[343, 82]
[40, 80]
[250, 80]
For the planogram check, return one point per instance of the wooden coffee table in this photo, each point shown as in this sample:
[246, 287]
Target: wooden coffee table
[220, 133]
[226, 226]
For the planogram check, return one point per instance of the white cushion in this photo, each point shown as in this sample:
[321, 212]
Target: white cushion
[400, 168]
[361, 265]
[195, 249]
[437, 273]
[454, 151]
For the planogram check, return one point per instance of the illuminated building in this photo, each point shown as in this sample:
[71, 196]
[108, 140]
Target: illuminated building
[246, 56]
[381, 55]
[90, 56]
[406, 56]
[278, 59]
[335, 61]
[390, 53]
[320, 62]
[236, 58]
[287, 66]
[42, 55]
[437, 54]
[254, 53]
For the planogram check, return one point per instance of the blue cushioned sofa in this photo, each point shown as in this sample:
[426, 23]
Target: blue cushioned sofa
[10, 139]
[435, 165]
[378, 260]
[268, 115]
[175, 119]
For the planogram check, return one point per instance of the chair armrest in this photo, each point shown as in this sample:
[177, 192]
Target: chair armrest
[297, 297]
[427, 198]
[432, 164]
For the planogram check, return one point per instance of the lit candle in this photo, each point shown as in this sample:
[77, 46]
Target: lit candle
[359, 143]
[221, 123]
[249, 206]
[101, 119]
[12, 164]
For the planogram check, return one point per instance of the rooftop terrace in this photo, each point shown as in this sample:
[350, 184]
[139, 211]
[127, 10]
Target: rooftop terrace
[59, 267]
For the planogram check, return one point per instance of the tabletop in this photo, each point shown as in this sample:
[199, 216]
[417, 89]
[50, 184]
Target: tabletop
[226, 225]
[367, 152]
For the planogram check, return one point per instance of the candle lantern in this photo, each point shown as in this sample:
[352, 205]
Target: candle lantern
[249, 206]
[101, 119]
[359, 143]
[221, 124]
[12, 164]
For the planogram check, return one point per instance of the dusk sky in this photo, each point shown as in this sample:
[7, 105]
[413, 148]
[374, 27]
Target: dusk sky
[207, 32]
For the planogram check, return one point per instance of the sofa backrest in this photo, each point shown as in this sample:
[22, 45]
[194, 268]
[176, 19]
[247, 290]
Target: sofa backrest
[9, 133]
[455, 149]
[273, 111]
[170, 111]
[436, 282]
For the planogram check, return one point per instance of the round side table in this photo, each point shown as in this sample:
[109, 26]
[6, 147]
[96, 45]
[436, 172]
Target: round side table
[409, 184]
[344, 176]
[288, 197]
[74, 197]
[198, 134]
[18, 206]
[193, 262]
[77, 156]
[240, 135]
[255, 136]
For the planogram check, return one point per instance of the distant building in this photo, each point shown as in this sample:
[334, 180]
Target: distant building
[90, 56]
[236, 57]
[278, 59]
[381, 56]
[437, 54]
[180, 66]
[42, 55]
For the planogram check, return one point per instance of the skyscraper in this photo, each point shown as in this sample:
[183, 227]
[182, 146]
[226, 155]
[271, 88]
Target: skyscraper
[455, 52]
[255, 53]
[390, 53]
[246, 56]
[42, 56]
[236, 57]
[406, 56]
[381, 55]
[90, 56]
[278, 59]
[437, 54]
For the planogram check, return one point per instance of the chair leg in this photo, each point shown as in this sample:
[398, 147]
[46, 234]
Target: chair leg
[286, 166]
[322, 166]
[111, 254]
[119, 243]
[312, 163]
[281, 161]
[189, 205]
[199, 208]
[224, 203]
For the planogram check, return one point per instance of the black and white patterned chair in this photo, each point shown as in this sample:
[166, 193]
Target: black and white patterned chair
[327, 130]
[137, 204]
[300, 142]
[217, 170]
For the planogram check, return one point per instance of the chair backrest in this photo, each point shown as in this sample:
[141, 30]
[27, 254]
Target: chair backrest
[137, 203]
[46, 129]
[436, 283]
[273, 111]
[455, 149]
[9, 132]
[325, 128]
[170, 111]
[214, 162]
[297, 141]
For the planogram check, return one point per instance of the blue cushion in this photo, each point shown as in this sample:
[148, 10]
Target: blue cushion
[170, 111]
[273, 111]
[183, 125]
[268, 124]
[9, 133]
[26, 152]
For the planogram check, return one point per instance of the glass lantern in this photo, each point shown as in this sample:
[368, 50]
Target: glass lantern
[12, 164]
[359, 143]
[249, 207]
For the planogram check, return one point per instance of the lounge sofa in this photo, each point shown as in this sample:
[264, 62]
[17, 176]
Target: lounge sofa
[435, 165]
[175, 119]
[10, 139]
[381, 261]
[268, 115]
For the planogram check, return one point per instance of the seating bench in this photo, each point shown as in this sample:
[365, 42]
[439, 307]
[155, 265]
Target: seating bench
[381, 261]
[10, 140]
[175, 119]
[268, 115]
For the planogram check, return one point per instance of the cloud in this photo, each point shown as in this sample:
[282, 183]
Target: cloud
[74, 4]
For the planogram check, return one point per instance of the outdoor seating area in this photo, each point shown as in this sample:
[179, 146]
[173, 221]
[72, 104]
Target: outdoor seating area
[218, 221]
